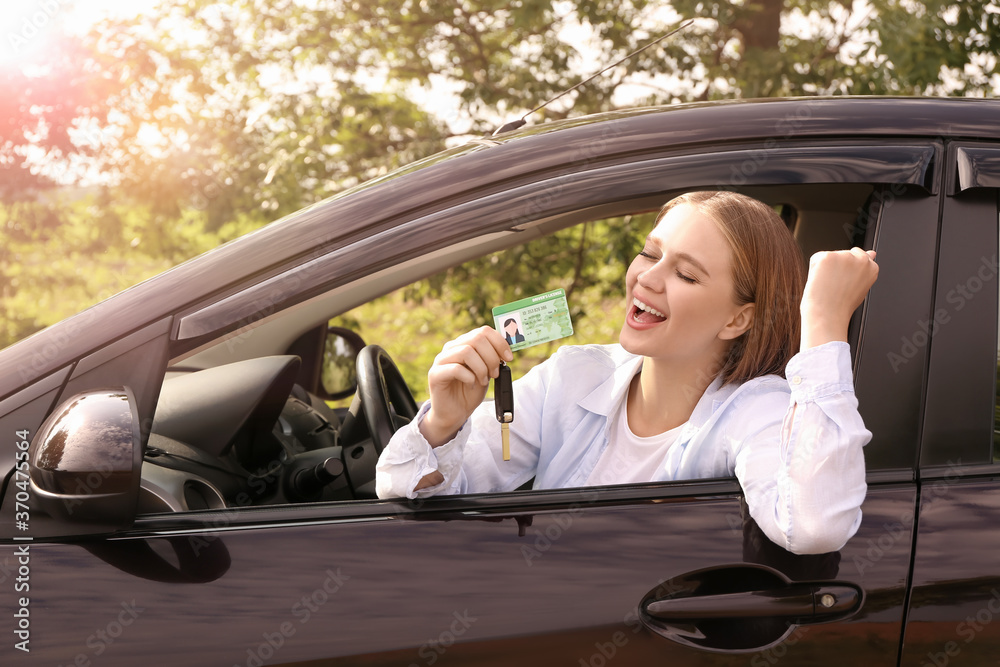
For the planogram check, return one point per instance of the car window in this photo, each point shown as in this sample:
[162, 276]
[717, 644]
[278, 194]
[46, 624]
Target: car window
[411, 323]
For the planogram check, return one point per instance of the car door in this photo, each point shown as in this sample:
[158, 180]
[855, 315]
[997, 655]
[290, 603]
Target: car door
[571, 576]
[956, 590]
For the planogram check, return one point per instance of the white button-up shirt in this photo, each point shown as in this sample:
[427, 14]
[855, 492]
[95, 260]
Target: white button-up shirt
[795, 445]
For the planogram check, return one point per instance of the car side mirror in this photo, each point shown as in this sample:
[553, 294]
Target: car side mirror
[84, 464]
[339, 378]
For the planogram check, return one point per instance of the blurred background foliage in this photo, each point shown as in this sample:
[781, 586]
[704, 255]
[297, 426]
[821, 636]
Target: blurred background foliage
[138, 143]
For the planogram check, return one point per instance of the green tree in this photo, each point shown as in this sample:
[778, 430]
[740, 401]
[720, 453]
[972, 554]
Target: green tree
[267, 106]
[250, 107]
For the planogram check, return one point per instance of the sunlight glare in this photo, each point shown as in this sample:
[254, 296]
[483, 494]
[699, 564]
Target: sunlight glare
[24, 34]
[27, 32]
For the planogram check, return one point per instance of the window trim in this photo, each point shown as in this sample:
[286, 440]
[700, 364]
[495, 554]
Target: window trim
[976, 167]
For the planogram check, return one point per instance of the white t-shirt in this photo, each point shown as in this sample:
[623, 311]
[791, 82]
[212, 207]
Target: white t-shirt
[629, 458]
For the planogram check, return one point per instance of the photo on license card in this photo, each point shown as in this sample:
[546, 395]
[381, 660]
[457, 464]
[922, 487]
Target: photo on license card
[535, 320]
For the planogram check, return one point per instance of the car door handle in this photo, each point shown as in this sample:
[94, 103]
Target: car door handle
[793, 601]
[746, 606]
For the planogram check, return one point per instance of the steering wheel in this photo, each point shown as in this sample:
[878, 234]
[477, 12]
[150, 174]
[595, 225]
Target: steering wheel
[380, 385]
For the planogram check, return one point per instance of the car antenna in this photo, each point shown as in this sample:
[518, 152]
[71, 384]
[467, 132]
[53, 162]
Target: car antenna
[514, 124]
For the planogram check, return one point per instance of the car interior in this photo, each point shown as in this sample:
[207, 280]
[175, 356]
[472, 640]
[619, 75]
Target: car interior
[245, 419]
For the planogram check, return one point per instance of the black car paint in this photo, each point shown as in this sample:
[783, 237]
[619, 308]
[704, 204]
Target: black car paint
[451, 581]
[575, 595]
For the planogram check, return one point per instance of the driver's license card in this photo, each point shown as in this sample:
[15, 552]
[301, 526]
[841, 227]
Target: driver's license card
[535, 320]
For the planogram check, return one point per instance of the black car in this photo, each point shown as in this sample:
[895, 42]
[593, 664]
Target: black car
[176, 489]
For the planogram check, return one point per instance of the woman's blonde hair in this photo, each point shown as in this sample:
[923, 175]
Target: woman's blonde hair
[768, 271]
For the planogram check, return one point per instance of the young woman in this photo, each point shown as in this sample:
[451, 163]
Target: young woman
[705, 383]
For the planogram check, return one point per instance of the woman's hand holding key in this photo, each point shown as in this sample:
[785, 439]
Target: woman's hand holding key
[458, 381]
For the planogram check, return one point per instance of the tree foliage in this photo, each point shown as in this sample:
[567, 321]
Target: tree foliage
[205, 118]
[41, 102]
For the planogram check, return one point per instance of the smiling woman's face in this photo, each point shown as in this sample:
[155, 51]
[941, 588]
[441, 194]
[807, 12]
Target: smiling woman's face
[680, 300]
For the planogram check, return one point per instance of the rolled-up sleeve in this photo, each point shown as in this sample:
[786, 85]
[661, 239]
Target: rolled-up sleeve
[471, 462]
[409, 458]
[804, 477]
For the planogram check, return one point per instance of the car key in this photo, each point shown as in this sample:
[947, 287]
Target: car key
[503, 399]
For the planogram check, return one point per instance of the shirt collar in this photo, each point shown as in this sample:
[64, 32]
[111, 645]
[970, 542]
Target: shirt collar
[606, 397]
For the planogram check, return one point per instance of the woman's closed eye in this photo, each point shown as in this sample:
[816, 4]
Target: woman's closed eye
[680, 274]
[686, 278]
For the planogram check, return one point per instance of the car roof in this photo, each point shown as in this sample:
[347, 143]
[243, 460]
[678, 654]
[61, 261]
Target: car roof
[484, 165]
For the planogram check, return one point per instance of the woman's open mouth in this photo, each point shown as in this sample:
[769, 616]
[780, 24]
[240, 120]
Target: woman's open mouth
[643, 313]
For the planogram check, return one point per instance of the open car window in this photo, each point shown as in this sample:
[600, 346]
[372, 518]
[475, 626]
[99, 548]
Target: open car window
[247, 421]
